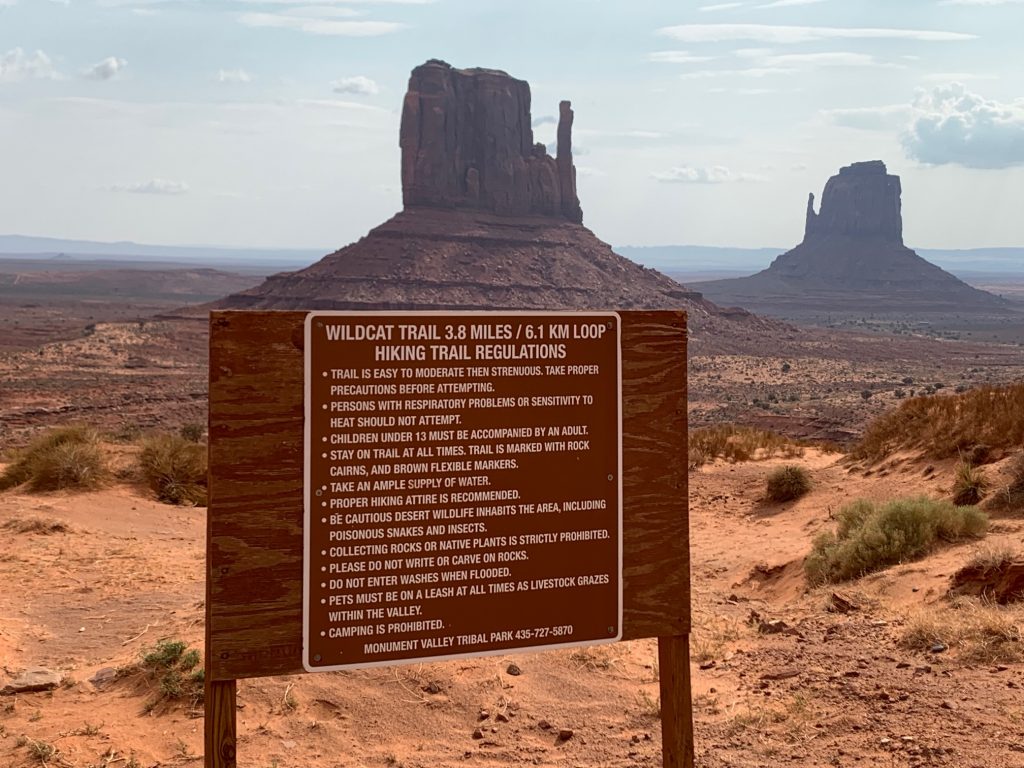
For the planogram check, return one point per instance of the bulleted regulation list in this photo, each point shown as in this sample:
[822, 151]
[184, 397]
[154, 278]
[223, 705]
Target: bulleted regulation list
[463, 484]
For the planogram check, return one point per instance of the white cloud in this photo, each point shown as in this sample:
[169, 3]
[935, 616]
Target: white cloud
[702, 74]
[335, 2]
[320, 26]
[16, 65]
[587, 171]
[786, 35]
[677, 57]
[363, 86]
[980, 2]
[953, 126]
[106, 69]
[7, 3]
[153, 187]
[959, 77]
[544, 120]
[888, 117]
[789, 3]
[234, 76]
[715, 174]
[824, 59]
[719, 7]
[322, 11]
[338, 104]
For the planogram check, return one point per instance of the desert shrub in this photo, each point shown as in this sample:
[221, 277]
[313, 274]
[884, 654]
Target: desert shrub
[980, 631]
[787, 483]
[175, 469]
[735, 443]
[969, 484]
[193, 432]
[172, 669]
[870, 537]
[1016, 484]
[948, 425]
[65, 457]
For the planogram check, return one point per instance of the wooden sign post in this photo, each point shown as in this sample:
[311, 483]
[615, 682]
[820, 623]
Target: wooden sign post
[395, 487]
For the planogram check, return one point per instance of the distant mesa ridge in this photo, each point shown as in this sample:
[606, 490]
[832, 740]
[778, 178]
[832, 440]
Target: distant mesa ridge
[852, 256]
[489, 220]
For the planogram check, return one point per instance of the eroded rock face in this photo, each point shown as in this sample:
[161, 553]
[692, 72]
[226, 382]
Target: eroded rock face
[861, 201]
[467, 143]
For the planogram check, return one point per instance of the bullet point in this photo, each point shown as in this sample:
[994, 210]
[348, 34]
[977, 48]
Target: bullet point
[324, 406]
[323, 551]
[323, 584]
[325, 374]
[323, 634]
[323, 519]
[323, 455]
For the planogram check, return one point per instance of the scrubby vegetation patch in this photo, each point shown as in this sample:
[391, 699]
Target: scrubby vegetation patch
[872, 536]
[66, 457]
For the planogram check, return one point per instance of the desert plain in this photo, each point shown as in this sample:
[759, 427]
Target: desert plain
[888, 669]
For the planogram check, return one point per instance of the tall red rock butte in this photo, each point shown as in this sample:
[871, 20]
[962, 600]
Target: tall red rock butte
[489, 221]
[853, 258]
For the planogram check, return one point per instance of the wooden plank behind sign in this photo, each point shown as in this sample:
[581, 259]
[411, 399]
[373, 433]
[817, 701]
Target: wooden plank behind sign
[254, 529]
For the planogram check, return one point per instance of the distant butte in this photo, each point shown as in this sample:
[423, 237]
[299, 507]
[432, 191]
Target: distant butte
[852, 258]
[489, 220]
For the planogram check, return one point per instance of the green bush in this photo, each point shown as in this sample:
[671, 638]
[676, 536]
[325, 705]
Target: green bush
[174, 667]
[871, 537]
[65, 457]
[175, 468]
[787, 483]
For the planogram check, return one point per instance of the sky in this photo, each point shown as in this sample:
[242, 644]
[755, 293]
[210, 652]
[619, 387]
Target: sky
[274, 123]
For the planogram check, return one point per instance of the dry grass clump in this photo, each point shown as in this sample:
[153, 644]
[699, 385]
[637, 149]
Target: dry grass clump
[982, 632]
[1009, 497]
[943, 426]
[65, 457]
[871, 537]
[736, 443]
[969, 484]
[993, 555]
[36, 525]
[787, 483]
[175, 469]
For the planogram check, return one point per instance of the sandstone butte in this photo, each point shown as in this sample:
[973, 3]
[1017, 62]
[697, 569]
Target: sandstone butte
[489, 221]
[853, 257]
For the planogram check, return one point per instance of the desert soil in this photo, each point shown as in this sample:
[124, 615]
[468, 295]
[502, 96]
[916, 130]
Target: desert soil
[124, 571]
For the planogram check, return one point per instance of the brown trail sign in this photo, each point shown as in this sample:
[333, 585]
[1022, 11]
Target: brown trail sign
[396, 487]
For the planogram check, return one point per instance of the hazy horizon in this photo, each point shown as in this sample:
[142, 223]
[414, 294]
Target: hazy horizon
[696, 122]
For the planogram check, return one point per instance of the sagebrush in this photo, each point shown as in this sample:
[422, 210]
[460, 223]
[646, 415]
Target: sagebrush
[65, 457]
[175, 469]
[872, 536]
